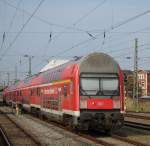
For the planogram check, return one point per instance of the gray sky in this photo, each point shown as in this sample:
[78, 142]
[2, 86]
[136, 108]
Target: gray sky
[70, 23]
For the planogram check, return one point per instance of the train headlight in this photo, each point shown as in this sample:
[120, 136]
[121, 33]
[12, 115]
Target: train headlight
[83, 104]
[116, 103]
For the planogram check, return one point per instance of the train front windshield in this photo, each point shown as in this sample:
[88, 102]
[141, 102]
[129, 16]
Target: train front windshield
[99, 86]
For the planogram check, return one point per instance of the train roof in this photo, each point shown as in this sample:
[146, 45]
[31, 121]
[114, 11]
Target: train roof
[98, 62]
[54, 63]
[91, 63]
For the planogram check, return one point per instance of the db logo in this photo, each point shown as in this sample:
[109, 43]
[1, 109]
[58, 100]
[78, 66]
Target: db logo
[100, 103]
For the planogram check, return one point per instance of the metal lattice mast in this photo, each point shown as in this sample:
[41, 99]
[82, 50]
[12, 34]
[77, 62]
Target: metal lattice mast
[135, 88]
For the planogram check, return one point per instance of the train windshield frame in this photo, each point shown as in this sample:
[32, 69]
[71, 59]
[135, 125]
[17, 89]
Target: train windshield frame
[99, 85]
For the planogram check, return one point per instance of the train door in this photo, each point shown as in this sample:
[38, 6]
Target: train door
[59, 99]
[42, 99]
[67, 97]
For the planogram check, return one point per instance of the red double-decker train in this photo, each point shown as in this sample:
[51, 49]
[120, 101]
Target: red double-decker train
[86, 92]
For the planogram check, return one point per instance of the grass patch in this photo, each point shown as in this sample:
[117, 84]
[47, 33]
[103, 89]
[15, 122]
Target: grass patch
[143, 106]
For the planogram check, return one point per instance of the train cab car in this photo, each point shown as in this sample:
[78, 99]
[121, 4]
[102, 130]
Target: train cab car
[101, 94]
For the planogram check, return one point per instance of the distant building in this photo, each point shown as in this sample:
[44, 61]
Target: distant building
[148, 83]
[143, 81]
[128, 80]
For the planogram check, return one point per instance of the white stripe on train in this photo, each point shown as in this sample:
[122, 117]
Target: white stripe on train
[64, 111]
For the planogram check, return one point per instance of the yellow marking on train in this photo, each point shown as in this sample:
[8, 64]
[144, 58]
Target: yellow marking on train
[44, 85]
[61, 82]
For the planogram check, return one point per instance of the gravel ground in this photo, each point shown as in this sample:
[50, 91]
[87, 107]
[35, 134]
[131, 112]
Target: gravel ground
[116, 142]
[138, 135]
[50, 135]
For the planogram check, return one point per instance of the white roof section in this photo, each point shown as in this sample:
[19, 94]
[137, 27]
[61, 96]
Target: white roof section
[53, 63]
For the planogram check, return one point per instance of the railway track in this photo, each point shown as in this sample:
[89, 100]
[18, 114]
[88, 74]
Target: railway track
[4, 141]
[141, 121]
[14, 135]
[99, 138]
[114, 139]
[129, 141]
[137, 125]
[137, 116]
[133, 112]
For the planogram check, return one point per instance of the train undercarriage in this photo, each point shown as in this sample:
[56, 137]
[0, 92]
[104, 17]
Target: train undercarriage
[101, 120]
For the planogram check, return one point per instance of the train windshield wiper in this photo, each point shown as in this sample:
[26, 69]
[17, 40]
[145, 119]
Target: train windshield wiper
[99, 92]
[114, 93]
[85, 93]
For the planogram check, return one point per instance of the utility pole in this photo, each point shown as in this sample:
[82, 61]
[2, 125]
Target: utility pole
[30, 72]
[30, 63]
[4, 84]
[0, 78]
[16, 73]
[8, 78]
[135, 88]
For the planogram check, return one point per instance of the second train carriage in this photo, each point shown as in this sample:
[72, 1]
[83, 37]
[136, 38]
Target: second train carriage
[86, 92]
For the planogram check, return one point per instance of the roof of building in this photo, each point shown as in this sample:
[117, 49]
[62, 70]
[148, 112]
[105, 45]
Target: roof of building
[53, 63]
[127, 72]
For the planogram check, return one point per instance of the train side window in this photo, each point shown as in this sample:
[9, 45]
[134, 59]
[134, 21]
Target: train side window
[20, 93]
[17, 93]
[38, 91]
[31, 92]
[65, 90]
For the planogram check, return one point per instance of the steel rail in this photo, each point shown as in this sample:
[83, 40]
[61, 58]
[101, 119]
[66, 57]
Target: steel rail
[38, 143]
[137, 116]
[137, 125]
[136, 143]
[4, 136]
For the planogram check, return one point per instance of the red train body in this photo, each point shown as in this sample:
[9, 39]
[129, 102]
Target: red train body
[86, 93]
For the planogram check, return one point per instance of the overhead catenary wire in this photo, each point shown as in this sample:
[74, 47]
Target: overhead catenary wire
[72, 32]
[142, 45]
[41, 19]
[130, 19]
[81, 18]
[116, 26]
[89, 12]
[10, 25]
[46, 21]
[3, 40]
[13, 17]
[18, 34]
[127, 33]
[117, 44]
[108, 30]
[127, 53]
[140, 64]
[11, 71]
[77, 21]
